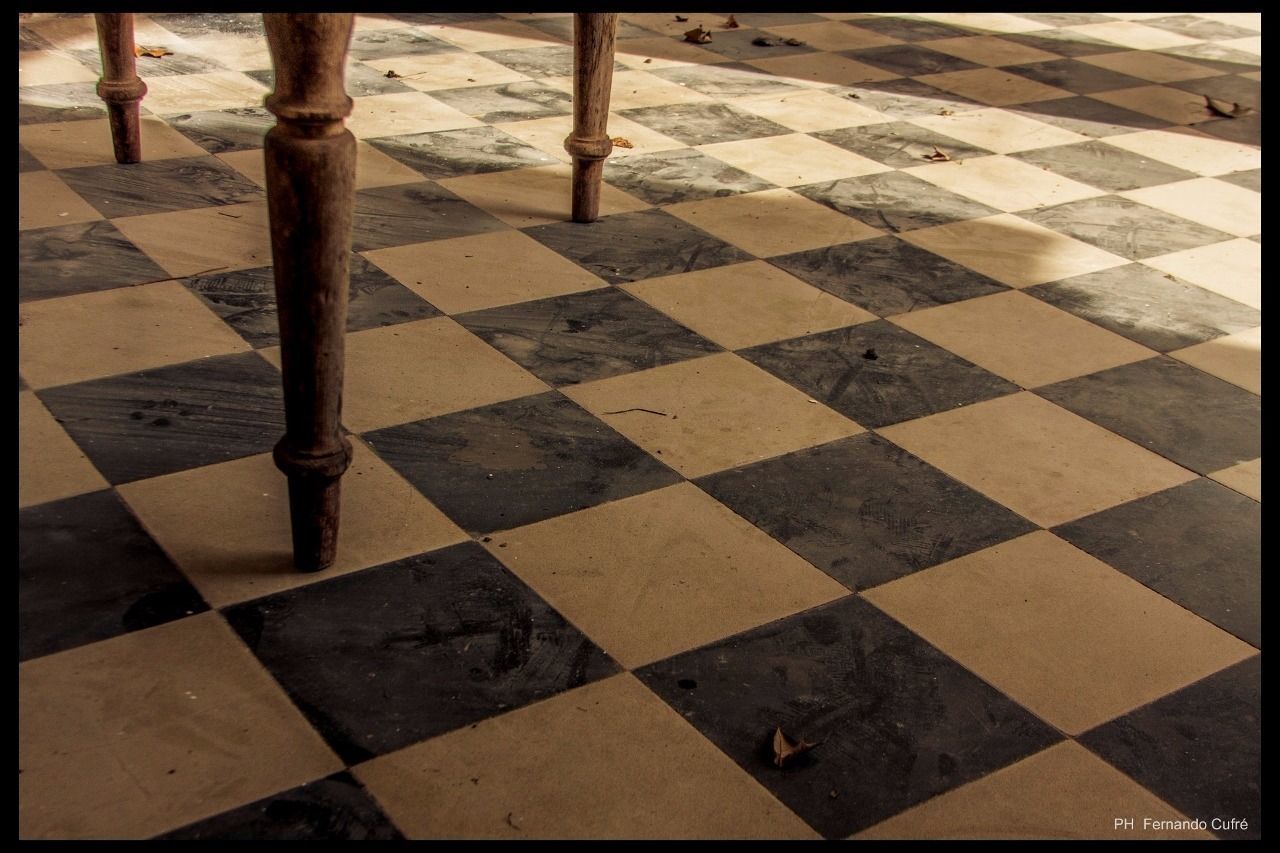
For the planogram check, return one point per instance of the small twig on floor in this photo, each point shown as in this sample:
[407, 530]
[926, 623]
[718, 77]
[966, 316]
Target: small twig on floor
[512, 823]
[172, 277]
[636, 409]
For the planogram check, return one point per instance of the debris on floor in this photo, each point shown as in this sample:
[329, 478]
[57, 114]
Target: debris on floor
[785, 749]
[139, 50]
[698, 35]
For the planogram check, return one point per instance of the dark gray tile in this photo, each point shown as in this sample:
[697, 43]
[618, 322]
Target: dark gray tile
[1104, 166]
[1199, 28]
[1089, 117]
[1190, 417]
[456, 639]
[778, 19]
[576, 338]
[335, 808]
[193, 24]
[1073, 75]
[59, 102]
[173, 418]
[1062, 42]
[1228, 60]
[1124, 227]
[910, 60]
[911, 29]
[1250, 180]
[246, 301]
[555, 60]
[878, 374]
[905, 98]
[220, 131]
[634, 246]
[27, 162]
[79, 258]
[701, 124]
[1246, 130]
[898, 515]
[399, 41]
[1121, 299]
[452, 153]
[886, 275]
[1198, 544]
[87, 571]
[361, 80]
[726, 80]
[740, 44]
[414, 213]
[518, 462]
[896, 720]
[684, 174]
[1199, 749]
[1231, 88]
[29, 39]
[895, 201]
[519, 101]
[900, 144]
[158, 186]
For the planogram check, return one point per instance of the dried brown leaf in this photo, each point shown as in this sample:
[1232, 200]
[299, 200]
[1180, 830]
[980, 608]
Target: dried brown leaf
[792, 42]
[391, 75]
[698, 35]
[761, 41]
[731, 23]
[785, 749]
[647, 61]
[855, 96]
[1222, 108]
[680, 19]
[946, 112]
[622, 142]
[938, 155]
[140, 50]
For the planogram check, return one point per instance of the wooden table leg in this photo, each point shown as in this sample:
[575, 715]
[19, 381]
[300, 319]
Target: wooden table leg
[593, 36]
[120, 86]
[310, 170]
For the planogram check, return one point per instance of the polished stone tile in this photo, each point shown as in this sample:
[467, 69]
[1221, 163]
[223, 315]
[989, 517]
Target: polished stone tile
[771, 20]
[1132, 34]
[1101, 165]
[549, 61]
[50, 466]
[213, 90]
[1232, 88]
[1199, 28]
[1120, 299]
[334, 808]
[886, 275]
[700, 124]
[1064, 42]
[998, 130]
[1151, 66]
[899, 144]
[1224, 59]
[895, 201]
[518, 462]
[413, 213]
[1245, 478]
[994, 86]
[79, 258]
[1247, 130]
[469, 151]
[220, 131]
[877, 373]
[1193, 151]
[730, 80]
[231, 236]
[192, 25]
[680, 175]
[1185, 415]
[45, 201]
[506, 101]
[897, 721]
[1233, 269]
[989, 50]
[27, 161]
[246, 301]
[539, 195]
[910, 60]
[66, 144]
[1236, 358]
[810, 111]
[173, 418]
[161, 185]
[562, 28]
[582, 337]
[429, 73]
[1085, 116]
[897, 516]
[1172, 105]
[634, 246]
[87, 571]
[739, 44]
[457, 639]
[904, 99]
[1199, 749]
[1004, 183]
[1125, 227]
[821, 70]
[402, 114]
[45, 67]
[792, 158]
[58, 102]
[909, 29]
[1082, 78]
[361, 80]
[1207, 201]
[1198, 544]
[407, 41]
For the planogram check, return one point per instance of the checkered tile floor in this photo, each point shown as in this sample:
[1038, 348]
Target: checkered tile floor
[906, 397]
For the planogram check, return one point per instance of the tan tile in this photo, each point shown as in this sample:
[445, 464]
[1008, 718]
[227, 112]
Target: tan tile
[375, 169]
[821, 69]
[602, 756]
[535, 196]
[44, 201]
[832, 36]
[1245, 478]
[719, 411]
[484, 271]
[1236, 358]
[1249, 44]
[632, 89]
[146, 732]
[1172, 105]
[492, 35]
[237, 52]
[746, 304]
[1217, 204]
[1232, 268]
[548, 135]
[46, 67]
[402, 113]
[213, 90]
[663, 53]
[1132, 34]
[233, 236]
[1012, 250]
[792, 159]
[1039, 460]
[1190, 150]
[67, 144]
[1003, 182]
[1063, 793]
[810, 110]
[189, 513]
[1248, 20]
[995, 86]
[1022, 339]
[250, 163]
[998, 130]
[427, 71]
[996, 22]
[1146, 65]
[772, 222]
[378, 21]
[50, 465]
[81, 33]
[989, 50]
[650, 576]
[118, 331]
[403, 373]
[1059, 631]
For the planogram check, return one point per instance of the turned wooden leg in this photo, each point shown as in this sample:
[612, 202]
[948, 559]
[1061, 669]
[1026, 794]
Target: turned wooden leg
[310, 162]
[593, 34]
[120, 86]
